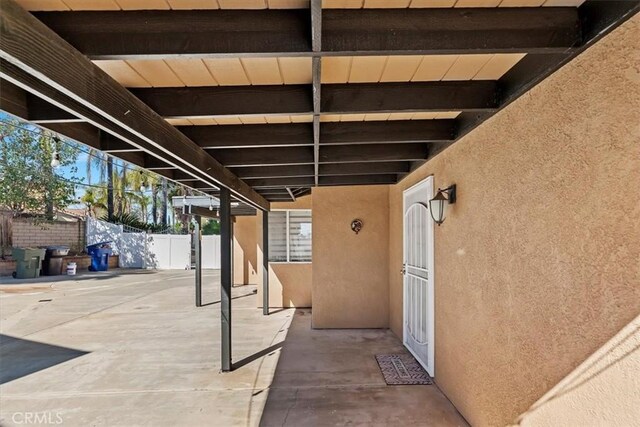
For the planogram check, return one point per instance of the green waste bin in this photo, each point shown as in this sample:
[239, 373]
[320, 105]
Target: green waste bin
[28, 262]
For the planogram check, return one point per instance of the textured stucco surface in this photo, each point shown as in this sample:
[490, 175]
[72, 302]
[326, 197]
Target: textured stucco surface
[289, 284]
[244, 251]
[350, 272]
[537, 265]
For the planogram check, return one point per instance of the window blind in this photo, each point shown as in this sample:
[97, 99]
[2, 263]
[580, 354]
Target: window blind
[290, 236]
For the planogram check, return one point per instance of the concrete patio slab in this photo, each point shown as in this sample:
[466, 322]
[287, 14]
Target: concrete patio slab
[132, 349]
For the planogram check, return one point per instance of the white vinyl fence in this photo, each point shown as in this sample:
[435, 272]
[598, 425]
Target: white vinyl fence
[211, 252]
[158, 251]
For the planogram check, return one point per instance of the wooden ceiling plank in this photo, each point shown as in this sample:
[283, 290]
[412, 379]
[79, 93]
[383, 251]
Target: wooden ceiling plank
[498, 65]
[466, 67]
[386, 4]
[143, 4]
[193, 4]
[295, 70]
[92, 4]
[227, 71]
[521, 3]
[242, 4]
[158, 73]
[262, 71]
[400, 68]
[433, 67]
[432, 3]
[123, 73]
[43, 5]
[192, 72]
[367, 68]
[336, 69]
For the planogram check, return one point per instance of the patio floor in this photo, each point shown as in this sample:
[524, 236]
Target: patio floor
[129, 348]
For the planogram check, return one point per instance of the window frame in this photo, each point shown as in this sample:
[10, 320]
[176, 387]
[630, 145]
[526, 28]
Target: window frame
[288, 261]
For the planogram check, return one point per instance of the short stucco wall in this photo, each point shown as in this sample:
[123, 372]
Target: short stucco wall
[350, 271]
[289, 283]
[245, 262]
[536, 267]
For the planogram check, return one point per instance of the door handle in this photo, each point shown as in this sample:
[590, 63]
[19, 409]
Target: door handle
[403, 271]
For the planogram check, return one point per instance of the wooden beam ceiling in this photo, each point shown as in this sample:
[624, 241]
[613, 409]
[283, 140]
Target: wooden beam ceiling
[281, 160]
[157, 34]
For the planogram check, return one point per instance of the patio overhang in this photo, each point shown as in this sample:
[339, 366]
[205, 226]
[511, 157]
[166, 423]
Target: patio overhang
[270, 103]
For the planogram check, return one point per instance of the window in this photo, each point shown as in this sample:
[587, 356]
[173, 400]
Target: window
[290, 236]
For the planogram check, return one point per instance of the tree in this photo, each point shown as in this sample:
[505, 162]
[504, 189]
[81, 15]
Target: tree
[29, 183]
[212, 226]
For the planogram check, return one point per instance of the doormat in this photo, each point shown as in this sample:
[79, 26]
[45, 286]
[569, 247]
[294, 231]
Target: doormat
[402, 369]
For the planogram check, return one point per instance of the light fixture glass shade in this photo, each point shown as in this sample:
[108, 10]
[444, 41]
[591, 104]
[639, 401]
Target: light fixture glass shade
[437, 207]
[55, 160]
[143, 188]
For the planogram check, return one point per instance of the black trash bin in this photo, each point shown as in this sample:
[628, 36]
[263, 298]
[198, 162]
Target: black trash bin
[53, 260]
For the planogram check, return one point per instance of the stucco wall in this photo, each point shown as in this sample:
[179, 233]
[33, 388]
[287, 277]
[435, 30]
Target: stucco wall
[245, 261]
[350, 272]
[289, 284]
[537, 264]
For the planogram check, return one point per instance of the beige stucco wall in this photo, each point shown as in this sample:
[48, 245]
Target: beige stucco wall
[289, 284]
[245, 262]
[350, 272]
[537, 265]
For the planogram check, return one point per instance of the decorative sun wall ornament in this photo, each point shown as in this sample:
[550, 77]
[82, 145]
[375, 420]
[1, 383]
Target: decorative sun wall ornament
[356, 225]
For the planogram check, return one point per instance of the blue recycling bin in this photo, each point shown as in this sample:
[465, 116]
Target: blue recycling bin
[99, 253]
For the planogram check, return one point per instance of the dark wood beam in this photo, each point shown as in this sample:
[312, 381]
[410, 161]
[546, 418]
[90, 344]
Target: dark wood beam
[414, 96]
[451, 30]
[211, 33]
[371, 168]
[265, 156]
[372, 153]
[250, 136]
[41, 111]
[332, 133]
[387, 131]
[39, 61]
[155, 34]
[281, 182]
[274, 171]
[176, 102]
[358, 180]
[184, 102]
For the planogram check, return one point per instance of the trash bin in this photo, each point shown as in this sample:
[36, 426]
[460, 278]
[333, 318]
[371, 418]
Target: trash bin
[53, 260]
[28, 262]
[99, 254]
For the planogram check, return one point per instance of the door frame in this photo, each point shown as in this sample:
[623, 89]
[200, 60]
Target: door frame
[428, 182]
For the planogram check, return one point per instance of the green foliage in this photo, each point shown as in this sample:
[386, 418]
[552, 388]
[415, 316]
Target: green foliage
[28, 182]
[211, 227]
[131, 220]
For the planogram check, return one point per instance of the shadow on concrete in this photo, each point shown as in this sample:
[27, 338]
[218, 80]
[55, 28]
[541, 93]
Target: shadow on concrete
[20, 357]
[255, 356]
[236, 297]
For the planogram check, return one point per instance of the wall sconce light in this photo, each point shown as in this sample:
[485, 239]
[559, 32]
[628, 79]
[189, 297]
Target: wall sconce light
[437, 204]
[356, 225]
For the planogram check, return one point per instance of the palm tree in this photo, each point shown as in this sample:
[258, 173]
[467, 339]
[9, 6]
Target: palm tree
[94, 201]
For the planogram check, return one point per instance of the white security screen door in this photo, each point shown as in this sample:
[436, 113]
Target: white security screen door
[418, 274]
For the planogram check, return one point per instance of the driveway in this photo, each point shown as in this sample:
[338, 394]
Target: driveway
[130, 348]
